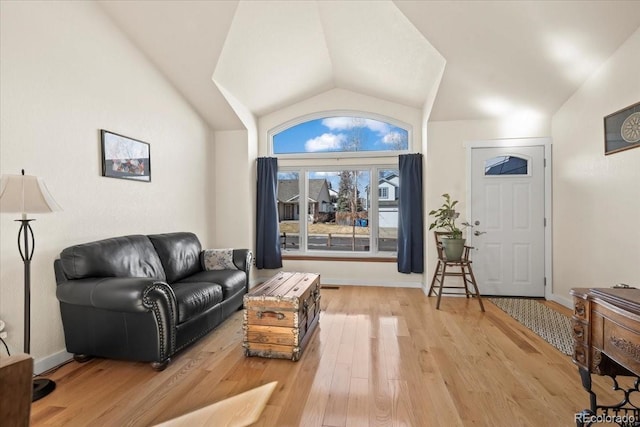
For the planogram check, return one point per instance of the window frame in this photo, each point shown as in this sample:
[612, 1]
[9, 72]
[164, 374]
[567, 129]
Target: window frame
[373, 161]
[373, 211]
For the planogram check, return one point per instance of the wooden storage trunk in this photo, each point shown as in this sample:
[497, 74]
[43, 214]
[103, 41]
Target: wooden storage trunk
[280, 315]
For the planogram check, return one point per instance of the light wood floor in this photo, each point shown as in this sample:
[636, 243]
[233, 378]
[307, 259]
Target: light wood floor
[380, 357]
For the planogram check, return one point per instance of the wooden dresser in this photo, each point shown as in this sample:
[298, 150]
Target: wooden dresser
[606, 335]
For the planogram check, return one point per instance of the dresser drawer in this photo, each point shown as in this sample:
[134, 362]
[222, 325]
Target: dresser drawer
[580, 331]
[581, 308]
[622, 345]
[581, 355]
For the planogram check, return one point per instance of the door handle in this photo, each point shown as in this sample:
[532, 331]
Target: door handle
[477, 233]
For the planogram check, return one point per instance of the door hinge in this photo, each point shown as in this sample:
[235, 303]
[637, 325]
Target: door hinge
[545, 222]
[545, 163]
[545, 282]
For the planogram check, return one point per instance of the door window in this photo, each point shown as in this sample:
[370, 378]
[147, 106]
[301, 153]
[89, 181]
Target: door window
[506, 165]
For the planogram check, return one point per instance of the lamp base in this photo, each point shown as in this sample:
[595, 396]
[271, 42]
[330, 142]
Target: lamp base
[41, 388]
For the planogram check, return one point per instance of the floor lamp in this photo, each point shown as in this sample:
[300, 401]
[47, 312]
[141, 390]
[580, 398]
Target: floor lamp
[27, 194]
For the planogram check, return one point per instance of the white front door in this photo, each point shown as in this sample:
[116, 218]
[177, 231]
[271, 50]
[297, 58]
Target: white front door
[507, 210]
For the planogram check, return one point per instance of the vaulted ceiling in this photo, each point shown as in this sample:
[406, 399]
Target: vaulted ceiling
[500, 58]
[277, 53]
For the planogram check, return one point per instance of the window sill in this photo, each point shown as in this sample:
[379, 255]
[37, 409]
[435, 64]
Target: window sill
[288, 257]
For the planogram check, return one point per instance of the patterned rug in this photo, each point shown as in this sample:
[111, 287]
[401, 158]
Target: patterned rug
[550, 325]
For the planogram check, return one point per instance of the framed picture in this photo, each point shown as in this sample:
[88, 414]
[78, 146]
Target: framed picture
[124, 157]
[622, 130]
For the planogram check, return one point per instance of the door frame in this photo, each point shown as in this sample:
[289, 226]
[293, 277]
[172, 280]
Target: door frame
[548, 247]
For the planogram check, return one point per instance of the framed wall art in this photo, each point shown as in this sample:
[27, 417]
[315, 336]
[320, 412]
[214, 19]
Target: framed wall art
[622, 130]
[124, 157]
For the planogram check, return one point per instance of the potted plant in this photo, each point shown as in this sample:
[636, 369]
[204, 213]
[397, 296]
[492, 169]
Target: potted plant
[445, 219]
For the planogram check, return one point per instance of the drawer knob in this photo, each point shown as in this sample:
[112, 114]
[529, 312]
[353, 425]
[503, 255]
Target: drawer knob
[580, 309]
[578, 331]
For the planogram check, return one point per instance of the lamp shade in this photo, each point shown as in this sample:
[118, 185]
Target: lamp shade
[25, 194]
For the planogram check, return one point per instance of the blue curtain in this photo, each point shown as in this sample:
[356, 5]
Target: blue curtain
[410, 221]
[268, 253]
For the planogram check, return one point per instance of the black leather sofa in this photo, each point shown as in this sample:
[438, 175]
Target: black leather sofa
[144, 298]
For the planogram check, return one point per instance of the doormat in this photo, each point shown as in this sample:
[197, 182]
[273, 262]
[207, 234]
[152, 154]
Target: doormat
[547, 323]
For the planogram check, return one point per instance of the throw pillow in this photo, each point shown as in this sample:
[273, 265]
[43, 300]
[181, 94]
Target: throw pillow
[218, 259]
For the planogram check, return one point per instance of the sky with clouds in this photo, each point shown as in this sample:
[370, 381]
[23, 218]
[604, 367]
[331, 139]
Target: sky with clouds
[336, 133]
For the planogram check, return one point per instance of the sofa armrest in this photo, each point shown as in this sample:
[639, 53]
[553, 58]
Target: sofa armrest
[125, 294]
[242, 260]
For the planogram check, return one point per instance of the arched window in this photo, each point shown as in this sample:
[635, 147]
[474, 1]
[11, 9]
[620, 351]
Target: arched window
[351, 207]
[340, 133]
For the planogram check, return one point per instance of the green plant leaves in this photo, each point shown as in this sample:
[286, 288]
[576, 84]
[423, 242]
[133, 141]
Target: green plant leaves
[445, 217]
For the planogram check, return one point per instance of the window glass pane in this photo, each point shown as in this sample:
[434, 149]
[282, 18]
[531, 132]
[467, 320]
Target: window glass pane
[338, 206]
[506, 165]
[340, 134]
[388, 185]
[289, 209]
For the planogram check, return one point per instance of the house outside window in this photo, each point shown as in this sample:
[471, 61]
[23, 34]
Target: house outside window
[389, 182]
[352, 206]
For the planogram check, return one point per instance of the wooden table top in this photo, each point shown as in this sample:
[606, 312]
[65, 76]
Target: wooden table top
[625, 298]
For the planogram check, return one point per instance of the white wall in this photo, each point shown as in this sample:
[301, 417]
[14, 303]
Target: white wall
[235, 154]
[340, 99]
[596, 199]
[234, 191]
[67, 72]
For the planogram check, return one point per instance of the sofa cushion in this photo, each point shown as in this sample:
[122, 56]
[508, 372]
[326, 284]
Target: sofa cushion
[126, 256]
[179, 254]
[231, 281]
[195, 298]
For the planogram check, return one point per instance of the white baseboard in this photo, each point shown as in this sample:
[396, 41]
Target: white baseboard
[562, 300]
[51, 361]
[350, 282]
[556, 298]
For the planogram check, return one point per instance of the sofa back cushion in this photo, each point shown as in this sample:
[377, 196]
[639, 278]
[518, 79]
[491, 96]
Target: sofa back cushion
[179, 254]
[127, 256]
